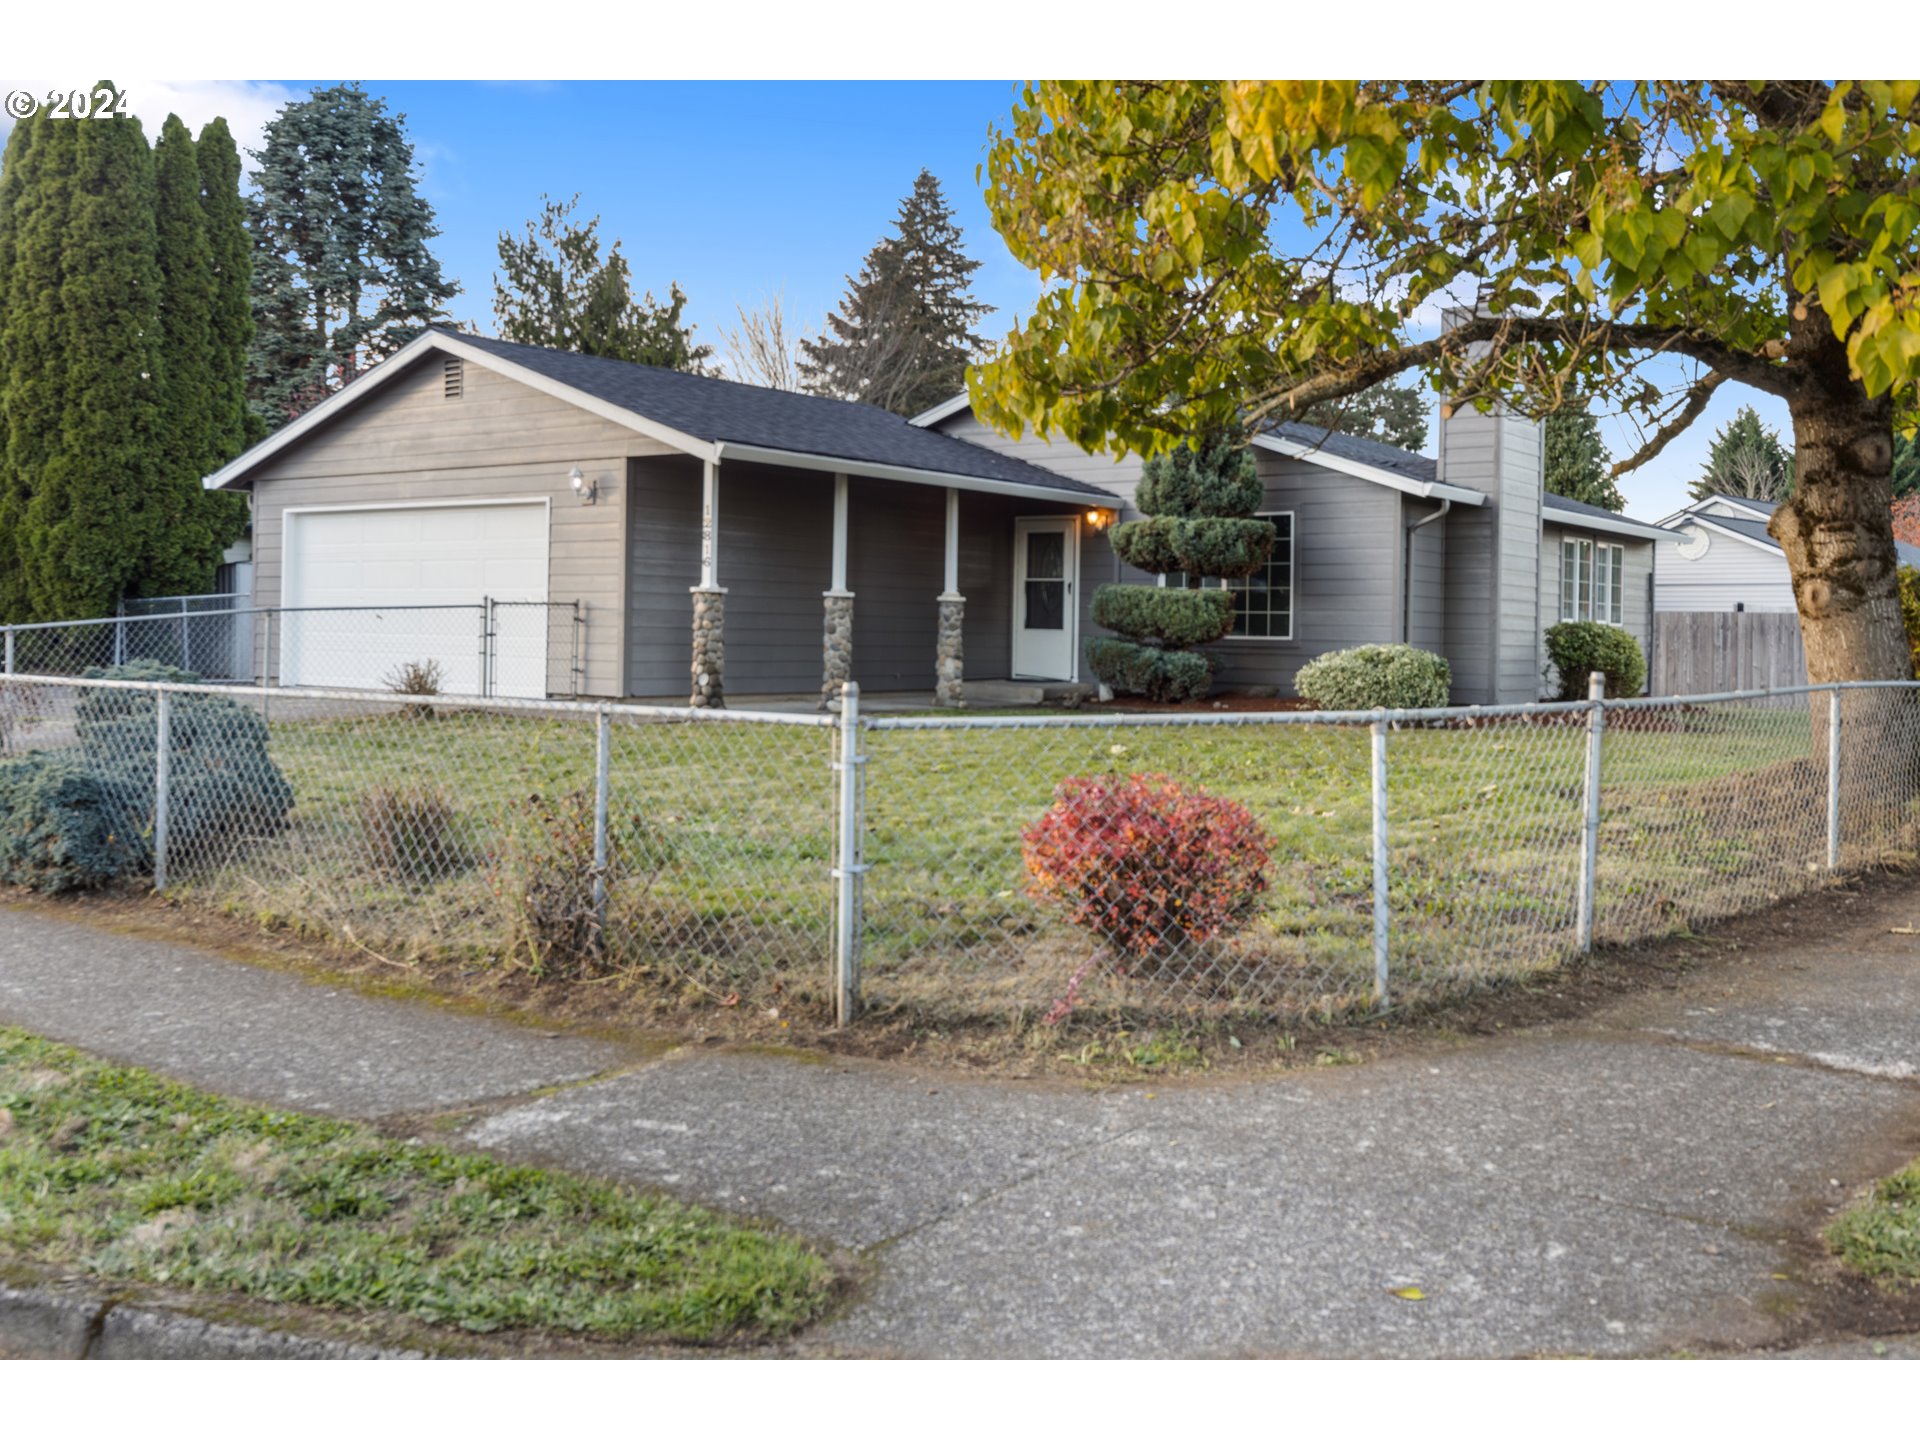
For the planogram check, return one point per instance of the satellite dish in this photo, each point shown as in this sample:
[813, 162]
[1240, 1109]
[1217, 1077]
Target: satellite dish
[1694, 545]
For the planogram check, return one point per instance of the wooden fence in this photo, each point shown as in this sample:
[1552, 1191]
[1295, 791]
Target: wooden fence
[1701, 652]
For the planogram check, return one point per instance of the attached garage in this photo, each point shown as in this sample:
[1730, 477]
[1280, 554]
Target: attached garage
[371, 588]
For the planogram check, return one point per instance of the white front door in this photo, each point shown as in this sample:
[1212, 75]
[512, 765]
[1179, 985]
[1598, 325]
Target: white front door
[1046, 575]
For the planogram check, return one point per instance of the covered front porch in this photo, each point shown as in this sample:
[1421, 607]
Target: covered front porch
[780, 582]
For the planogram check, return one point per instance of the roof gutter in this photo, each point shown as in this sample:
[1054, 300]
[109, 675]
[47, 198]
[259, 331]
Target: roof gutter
[837, 465]
[1578, 520]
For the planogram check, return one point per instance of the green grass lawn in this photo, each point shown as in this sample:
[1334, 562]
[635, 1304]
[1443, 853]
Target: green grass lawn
[1710, 813]
[117, 1173]
[1880, 1237]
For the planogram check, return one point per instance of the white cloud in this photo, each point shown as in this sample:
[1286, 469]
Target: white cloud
[247, 105]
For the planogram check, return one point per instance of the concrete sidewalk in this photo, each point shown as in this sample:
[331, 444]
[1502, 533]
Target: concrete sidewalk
[1641, 1183]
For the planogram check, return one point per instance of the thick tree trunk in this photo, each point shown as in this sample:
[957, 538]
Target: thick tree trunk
[1837, 530]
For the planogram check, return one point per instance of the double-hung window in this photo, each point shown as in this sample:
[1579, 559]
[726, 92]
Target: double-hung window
[1592, 580]
[1263, 601]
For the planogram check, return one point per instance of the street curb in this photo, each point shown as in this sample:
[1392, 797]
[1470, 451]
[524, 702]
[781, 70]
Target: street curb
[72, 1321]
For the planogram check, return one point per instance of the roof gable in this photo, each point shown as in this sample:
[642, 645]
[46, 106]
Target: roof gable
[706, 417]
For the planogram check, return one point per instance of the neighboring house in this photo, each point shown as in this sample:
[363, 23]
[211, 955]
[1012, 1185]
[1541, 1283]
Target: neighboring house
[725, 537]
[1720, 557]
[1466, 556]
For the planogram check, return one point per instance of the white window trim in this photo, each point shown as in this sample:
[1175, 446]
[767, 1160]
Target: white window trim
[1598, 556]
[1293, 584]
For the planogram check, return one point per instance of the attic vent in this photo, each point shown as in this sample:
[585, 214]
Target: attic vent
[454, 379]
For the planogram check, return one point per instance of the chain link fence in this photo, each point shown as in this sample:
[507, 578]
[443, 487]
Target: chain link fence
[953, 867]
[510, 649]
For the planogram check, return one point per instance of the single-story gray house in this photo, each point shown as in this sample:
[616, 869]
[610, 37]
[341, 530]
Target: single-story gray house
[723, 537]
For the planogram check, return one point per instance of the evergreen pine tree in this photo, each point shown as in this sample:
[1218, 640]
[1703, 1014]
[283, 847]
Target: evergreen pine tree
[342, 274]
[1200, 527]
[903, 336]
[1577, 462]
[1906, 467]
[1748, 460]
[559, 291]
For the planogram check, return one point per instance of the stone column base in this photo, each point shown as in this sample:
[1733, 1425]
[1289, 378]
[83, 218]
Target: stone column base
[836, 649]
[949, 665]
[709, 650]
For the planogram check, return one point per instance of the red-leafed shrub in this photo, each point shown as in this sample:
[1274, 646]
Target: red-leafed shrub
[1146, 863]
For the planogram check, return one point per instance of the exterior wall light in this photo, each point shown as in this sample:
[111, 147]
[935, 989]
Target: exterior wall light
[587, 490]
[1101, 518]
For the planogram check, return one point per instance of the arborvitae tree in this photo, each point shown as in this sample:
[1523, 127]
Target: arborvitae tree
[230, 247]
[1391, 414]
[101, 501]
[1578, 465]
[903, 335]
[36, 195]
[560, 291]
[1200, 504]
[342, 276]
[1748, 460]
[109, 376]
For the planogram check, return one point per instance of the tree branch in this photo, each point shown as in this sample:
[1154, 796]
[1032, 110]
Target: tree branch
[1698, 394]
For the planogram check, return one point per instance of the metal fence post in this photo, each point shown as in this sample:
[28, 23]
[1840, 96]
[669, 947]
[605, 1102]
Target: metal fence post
[120, 641]
[486, 645]
[9, 650]
[1833, 778]
[1380, 864]
[847, 868]
[162, 765]
[602, 772]
[1590, 822]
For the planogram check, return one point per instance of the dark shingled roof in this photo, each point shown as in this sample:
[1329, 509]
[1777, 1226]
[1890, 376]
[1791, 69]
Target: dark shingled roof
[1580, 507]
[1757, 530]
[726, 410]
[1362, 452]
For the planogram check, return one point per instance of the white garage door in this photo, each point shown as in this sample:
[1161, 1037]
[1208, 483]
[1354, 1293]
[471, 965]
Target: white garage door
[360, 587]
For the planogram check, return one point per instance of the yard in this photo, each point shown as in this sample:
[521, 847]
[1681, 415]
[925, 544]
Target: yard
[721, 834]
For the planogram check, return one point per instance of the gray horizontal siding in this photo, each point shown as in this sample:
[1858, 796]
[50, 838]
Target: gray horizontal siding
[499, 440]
[1637, 569]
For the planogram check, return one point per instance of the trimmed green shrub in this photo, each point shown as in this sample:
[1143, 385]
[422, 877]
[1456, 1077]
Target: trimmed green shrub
[1578, 648]
[1217, 479]
[1166, 675]
[1213, 546]
[1199, 503]
[1376, 677]
[59, 826]
[1179, 617]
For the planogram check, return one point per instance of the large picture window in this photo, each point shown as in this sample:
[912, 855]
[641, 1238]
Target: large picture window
[1263, 602]
[1592, 580]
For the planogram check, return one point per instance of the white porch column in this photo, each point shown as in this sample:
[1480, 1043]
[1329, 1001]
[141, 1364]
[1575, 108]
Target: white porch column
[836, 645]
[949, 658]
[709, 601]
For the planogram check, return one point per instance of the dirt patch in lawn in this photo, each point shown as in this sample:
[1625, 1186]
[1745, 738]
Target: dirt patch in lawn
[632, 1008]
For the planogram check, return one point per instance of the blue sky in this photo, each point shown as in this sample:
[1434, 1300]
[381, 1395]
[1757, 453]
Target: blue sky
[735, 190]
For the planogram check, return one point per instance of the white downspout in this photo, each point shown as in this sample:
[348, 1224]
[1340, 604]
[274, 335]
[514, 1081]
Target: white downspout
[1406, 606]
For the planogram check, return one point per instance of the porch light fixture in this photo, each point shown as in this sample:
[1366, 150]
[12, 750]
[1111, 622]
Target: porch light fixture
[1101, 518]
[587, 490]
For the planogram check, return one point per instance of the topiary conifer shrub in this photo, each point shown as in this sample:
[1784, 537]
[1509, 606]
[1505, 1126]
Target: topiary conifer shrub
[59, 826]
[1577, 648]
[222, 786]
[1376, 677]
[1199, 504]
